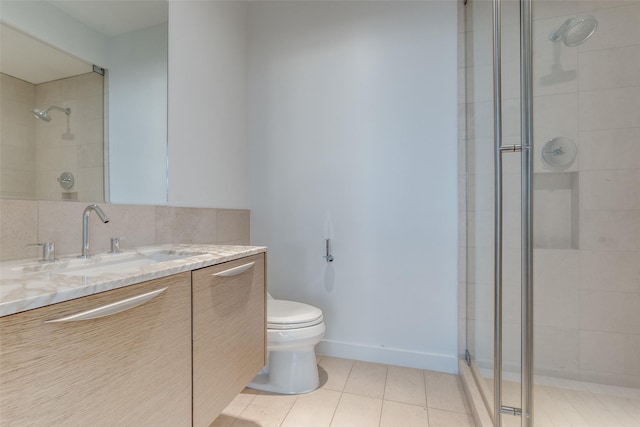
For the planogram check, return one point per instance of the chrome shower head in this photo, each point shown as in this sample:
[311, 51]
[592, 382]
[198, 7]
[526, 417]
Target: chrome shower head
[44, 114]
[575, 31]
[41, 114]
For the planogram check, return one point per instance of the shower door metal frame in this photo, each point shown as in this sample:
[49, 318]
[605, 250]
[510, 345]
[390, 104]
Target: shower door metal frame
[525, 149]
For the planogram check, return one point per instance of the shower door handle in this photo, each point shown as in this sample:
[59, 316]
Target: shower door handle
[526, 111]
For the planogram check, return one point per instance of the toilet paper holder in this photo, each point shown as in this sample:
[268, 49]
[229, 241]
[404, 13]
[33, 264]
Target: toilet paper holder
[328, 257]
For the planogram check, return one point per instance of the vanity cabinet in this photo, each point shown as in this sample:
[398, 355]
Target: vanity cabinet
[229, 342]
[128, 368]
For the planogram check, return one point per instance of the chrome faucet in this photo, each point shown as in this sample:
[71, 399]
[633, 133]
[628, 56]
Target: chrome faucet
[85, 227]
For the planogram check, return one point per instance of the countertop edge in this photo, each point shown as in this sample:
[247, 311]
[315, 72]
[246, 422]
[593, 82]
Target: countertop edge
[46, 288]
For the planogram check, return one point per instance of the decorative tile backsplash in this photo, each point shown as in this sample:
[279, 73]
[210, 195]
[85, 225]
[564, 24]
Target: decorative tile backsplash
[23, 222]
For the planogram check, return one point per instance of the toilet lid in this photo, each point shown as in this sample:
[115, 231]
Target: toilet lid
[283, 314]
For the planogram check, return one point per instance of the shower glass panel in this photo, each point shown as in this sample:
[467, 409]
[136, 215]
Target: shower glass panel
[480, 184]
[586, 209]
[586, 212]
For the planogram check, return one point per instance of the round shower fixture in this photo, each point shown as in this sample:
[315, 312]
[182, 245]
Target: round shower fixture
[43, 114]
[575, 31]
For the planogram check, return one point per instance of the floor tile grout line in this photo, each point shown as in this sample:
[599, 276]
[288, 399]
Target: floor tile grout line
[384, 393]
[295, 400]
[237, 417]
[341, 393]
[333, 416]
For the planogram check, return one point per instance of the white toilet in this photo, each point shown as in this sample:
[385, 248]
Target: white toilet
[293, 330]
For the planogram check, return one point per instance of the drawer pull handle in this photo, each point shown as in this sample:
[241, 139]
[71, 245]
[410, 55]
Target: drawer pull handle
[109, 309]
[235, 270]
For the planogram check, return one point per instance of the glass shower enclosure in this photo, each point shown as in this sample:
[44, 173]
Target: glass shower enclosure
[552, 209]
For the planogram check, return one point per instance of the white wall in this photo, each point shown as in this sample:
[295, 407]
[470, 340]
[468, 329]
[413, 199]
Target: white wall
[207, 104]
[138, 116]
[48, 23]
[352, 117]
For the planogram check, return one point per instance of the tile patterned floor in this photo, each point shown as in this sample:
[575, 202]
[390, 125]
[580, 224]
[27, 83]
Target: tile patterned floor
[567, 403]
[357, 394]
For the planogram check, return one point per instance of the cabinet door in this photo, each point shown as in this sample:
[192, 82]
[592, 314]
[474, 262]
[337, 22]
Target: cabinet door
[228, 333]
[131, 368]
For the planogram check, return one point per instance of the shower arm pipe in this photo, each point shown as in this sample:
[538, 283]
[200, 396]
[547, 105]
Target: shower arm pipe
[497, 141]
[526, 111]
[67, 111]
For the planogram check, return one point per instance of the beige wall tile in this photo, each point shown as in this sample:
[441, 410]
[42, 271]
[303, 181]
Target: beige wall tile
[17, 183]
[357, 411]
[609, 108]
[617, 26]
[556, 306]
[610, 230]
[610, 189]
[610, 149]
[17, 138]
[314, 409]
[556, 115]
[591, 5]
[233, 226]
[401, 414]
[367, 379]
[185, 225]
[61, 223]
[134, 223]
[18, 228]
[556, 351]
[613, 271]
[610, 311]
[511, 339]
[553, 8]
[607, 352]
[610, 68]
[90, 183]
[557, 268]
[405, 385]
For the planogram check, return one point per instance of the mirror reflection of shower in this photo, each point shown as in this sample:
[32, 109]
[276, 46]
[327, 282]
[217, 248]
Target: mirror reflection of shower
[43, 114]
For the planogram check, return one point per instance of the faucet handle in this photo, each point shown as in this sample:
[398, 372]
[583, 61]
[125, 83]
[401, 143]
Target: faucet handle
[48, 251]
[115, 244]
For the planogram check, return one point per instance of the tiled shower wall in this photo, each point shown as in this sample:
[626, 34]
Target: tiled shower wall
[596, 285]
[586, 215]
[34, 153]
[17, 138]
[23, 222]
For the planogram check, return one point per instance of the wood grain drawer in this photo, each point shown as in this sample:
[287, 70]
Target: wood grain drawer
[132, 368]
[229, 328]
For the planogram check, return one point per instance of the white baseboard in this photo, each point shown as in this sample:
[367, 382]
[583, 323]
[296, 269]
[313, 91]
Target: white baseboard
[389, 356]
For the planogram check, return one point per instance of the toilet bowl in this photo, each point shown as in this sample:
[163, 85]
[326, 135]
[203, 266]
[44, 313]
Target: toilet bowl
[293, 330]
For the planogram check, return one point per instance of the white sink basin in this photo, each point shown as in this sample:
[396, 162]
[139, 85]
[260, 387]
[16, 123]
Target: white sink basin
[121, 263]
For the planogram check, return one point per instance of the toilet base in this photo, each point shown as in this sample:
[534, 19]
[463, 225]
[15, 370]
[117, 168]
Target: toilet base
[288, 372]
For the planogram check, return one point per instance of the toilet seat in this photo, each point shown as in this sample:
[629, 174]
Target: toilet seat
[282, 314]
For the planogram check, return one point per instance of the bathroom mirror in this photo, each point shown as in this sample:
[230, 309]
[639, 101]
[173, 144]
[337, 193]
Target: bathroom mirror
[106, 134]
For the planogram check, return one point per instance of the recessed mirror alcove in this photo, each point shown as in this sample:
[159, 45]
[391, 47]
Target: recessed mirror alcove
[98, 71]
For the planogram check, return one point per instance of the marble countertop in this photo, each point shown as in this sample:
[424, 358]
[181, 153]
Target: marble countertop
[29, 284]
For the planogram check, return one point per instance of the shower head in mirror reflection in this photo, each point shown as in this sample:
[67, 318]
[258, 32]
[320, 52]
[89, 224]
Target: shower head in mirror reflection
[575, 31]
[43, 114]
